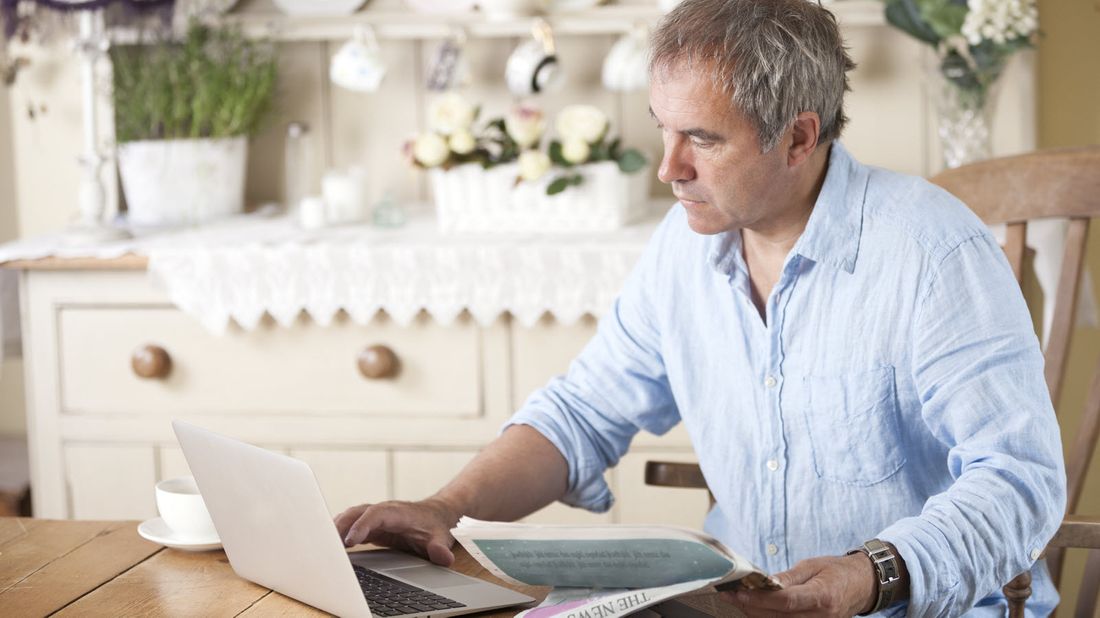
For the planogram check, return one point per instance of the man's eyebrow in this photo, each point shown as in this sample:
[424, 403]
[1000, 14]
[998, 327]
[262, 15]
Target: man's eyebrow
[702, 134]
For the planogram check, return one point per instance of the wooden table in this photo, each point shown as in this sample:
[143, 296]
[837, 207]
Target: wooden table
[86, 568]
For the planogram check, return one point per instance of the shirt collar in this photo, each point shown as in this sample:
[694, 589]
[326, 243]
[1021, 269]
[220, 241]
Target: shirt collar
[832, 233]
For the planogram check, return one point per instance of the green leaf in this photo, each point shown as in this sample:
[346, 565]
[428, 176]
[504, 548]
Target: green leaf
[559, 185]
[615, 149]
[631, 161]
[906, 16]
[576, 180]
[555, 155]
[944, 17]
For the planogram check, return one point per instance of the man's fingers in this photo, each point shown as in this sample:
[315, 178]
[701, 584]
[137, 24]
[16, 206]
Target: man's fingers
[344, 520]
[799, 573]
[440, 554]
[798, 598]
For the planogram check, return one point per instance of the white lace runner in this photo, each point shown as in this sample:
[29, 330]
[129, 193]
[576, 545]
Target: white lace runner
[362, 270]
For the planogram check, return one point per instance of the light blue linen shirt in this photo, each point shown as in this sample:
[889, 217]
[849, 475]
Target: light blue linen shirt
[896, 389]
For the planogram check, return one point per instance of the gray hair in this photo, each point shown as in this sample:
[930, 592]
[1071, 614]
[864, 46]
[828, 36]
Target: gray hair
[774, 58]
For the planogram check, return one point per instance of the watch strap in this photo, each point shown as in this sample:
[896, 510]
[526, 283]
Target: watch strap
[887, 573]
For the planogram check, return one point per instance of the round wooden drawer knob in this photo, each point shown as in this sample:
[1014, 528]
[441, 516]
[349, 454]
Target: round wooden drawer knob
[377, 362]
[151, 361]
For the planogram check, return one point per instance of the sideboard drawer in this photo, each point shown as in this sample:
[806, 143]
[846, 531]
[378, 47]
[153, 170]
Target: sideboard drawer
[271, 369]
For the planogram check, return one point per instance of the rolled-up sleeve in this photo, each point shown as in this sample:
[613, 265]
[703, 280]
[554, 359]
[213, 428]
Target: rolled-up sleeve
[979, 373]
[614, 388]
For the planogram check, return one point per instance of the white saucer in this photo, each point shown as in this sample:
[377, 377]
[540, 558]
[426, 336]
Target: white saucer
[157, 531]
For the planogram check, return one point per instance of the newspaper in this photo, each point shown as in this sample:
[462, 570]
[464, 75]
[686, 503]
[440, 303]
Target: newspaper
[600, 571]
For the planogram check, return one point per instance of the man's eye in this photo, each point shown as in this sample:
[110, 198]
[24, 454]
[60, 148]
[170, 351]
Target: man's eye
[701, 143]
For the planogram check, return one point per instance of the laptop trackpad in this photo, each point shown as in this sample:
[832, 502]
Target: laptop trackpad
[430, 576]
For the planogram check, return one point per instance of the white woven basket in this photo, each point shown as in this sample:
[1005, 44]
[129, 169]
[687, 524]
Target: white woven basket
[471, 199]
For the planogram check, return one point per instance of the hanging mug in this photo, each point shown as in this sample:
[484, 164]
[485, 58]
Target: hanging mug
[533, 67]
[626, 67]
[358, 64]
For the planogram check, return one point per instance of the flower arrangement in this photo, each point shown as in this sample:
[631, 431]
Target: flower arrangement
[973, 38]
[582, 132]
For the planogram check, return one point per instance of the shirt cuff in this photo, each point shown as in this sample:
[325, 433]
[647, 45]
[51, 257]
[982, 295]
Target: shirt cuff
[933, 579]
[586, 486]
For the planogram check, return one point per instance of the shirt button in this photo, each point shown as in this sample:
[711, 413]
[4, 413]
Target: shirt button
[1035, 553]
[773, 465]
[770, 381]
[772, 549]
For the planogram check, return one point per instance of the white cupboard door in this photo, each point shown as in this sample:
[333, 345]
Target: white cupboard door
[111, 481]
[419, 474]
[348, 477]
[543, 351]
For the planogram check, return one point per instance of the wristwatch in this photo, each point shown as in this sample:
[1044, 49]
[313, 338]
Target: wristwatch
[887, 573]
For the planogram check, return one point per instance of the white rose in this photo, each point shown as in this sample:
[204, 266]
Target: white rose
[533, 164]
[525, 125]
[462, 141]
[450, 113]
[430, 149]
[575, 151]
[581, 122]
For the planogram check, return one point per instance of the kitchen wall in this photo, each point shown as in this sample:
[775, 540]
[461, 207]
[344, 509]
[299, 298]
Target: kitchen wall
[11, 368]
[1069, 115]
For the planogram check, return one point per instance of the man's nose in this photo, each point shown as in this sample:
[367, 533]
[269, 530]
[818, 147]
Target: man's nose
[676, 163]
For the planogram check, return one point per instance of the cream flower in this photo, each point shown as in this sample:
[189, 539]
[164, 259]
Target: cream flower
[581, 122]
[525, 125]
[533, 164]
[1000, 21]
[462, 141]
[575, 151]
[430, 149]
[451, 112]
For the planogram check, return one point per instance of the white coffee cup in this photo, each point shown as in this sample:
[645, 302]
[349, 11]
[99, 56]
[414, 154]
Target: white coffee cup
[509, 9]
[358, 64]
[182, 509]
[626, 67]
[531, 69]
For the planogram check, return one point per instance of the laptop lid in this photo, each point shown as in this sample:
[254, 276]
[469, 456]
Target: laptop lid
[272, 520]
[277, 531]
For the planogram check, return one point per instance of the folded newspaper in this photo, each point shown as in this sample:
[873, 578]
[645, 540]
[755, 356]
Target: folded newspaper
[607, 570]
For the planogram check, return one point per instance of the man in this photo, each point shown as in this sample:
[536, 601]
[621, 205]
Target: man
[846, 346]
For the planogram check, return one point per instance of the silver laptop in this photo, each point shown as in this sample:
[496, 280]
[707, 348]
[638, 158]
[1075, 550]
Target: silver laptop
[277, 532]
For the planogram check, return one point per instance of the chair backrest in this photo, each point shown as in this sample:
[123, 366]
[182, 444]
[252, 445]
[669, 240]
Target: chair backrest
[1013, 191]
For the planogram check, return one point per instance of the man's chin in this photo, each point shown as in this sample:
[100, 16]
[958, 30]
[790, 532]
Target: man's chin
[701, 219]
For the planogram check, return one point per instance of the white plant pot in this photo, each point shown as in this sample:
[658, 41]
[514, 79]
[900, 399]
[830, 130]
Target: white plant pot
[469, 198]
[183, 182]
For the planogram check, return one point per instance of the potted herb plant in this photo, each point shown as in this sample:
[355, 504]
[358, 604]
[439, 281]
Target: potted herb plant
[183, 113]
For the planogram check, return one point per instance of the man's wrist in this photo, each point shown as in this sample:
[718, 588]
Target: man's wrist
[889, 577]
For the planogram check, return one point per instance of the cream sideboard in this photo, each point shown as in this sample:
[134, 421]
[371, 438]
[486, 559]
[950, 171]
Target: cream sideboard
[100, 435]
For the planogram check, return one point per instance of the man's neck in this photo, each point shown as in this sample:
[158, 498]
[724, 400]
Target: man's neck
[765, 248]
[774, 239]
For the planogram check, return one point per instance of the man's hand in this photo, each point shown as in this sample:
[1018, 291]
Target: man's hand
[423, 528]
[832, 586]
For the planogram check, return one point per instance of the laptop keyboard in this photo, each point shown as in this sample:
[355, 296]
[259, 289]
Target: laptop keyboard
[389, 597]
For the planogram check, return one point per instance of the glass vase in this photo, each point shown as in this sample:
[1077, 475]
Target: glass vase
[964, 103]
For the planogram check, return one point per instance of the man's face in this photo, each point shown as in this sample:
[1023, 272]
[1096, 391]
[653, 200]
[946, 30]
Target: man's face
[712, 155]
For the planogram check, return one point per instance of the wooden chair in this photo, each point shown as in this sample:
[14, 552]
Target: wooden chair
[1012, 191]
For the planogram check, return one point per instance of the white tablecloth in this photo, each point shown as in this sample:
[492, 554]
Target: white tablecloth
[240, 269]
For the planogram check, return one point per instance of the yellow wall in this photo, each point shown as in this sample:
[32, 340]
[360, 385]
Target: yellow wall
[1069, 115]
[11, 370]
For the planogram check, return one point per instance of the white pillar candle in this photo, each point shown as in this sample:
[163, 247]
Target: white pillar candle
[343, 195]
[311, 213]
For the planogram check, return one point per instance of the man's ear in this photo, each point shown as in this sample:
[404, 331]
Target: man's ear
[804, 132]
